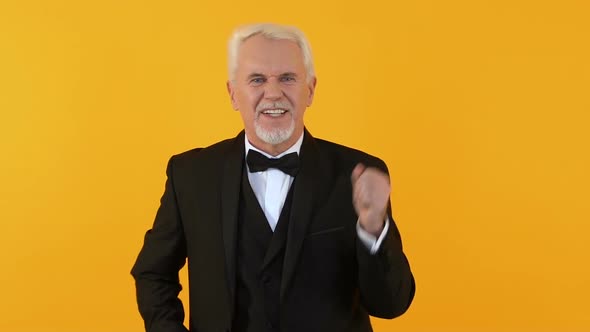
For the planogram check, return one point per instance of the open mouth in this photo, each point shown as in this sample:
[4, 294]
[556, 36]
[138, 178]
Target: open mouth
[274, 112]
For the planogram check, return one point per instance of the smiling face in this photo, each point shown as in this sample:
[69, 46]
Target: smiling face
[271, 90]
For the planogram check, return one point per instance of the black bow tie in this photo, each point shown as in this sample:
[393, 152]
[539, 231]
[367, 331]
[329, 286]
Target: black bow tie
[288, 164]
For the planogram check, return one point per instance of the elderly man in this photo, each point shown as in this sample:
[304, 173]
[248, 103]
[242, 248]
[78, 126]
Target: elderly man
[282, 231]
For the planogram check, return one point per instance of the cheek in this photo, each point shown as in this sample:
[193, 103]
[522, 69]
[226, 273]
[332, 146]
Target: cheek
[242, 99]
[300, 98]
[251, 99]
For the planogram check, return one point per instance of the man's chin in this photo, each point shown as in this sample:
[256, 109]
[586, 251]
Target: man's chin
[274, 136]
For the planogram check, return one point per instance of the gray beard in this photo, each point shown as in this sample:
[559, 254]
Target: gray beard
[274, 136]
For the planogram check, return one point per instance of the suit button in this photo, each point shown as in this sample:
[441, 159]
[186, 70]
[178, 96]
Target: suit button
[266, 279]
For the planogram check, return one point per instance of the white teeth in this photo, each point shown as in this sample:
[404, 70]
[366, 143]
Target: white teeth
[276, 111]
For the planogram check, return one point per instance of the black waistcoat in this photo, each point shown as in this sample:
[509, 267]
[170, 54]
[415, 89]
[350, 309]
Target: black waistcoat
[259, 263]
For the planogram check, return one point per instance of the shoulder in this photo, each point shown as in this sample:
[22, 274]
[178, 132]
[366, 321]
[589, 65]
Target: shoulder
[347, 156]
[207, 157]
[204, 152]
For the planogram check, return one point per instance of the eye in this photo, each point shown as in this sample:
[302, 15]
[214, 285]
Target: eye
[257, 80]
[287, 79]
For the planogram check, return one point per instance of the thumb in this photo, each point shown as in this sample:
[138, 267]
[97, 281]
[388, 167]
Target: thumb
[357, 171]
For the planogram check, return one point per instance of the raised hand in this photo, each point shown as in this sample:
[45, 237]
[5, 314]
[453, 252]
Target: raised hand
[370, 196]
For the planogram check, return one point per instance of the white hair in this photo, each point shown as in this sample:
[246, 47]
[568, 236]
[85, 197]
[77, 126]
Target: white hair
[272, 31]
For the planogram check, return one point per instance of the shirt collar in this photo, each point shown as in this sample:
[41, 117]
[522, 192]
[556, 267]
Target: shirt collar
[294, 148]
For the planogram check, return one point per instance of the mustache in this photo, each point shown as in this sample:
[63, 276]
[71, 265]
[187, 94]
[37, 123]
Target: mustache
[278, 104]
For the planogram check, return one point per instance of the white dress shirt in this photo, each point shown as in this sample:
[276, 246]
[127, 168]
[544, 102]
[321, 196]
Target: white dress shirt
[272, 186]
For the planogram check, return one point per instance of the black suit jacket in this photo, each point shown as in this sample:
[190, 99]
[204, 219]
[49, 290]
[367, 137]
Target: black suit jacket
[330, 281]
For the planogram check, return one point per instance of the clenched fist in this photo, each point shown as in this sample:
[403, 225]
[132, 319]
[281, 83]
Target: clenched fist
[370, 195]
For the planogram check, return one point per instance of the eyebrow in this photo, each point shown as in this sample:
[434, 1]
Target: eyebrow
[288, 74]
[256, 75]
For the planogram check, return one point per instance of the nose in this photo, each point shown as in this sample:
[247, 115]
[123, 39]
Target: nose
[272, 90]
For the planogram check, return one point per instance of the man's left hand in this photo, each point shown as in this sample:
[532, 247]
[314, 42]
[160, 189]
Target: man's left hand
[370, 195]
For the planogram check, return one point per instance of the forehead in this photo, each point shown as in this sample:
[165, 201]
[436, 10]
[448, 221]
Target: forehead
[259, 54]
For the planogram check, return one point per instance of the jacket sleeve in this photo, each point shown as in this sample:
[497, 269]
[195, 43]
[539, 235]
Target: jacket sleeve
[156, 269]
[386, 282]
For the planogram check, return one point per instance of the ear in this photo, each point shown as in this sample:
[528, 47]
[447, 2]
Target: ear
[311, 86]
[231, 92]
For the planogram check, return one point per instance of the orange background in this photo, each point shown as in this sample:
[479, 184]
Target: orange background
[480, 109]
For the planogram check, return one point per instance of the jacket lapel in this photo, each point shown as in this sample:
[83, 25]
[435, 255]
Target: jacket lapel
[307, 191]
[230, 195]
